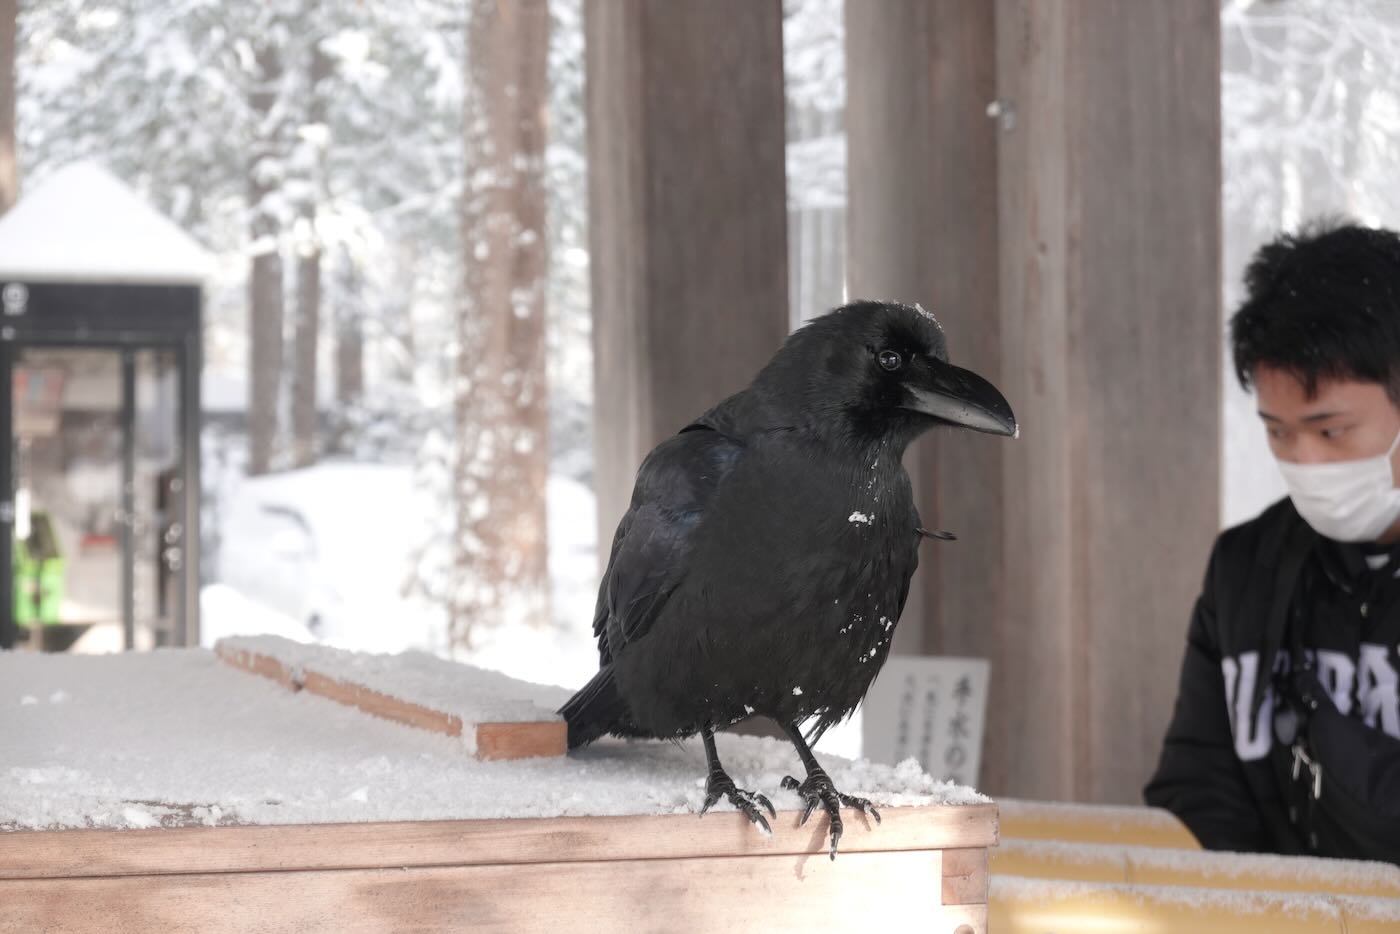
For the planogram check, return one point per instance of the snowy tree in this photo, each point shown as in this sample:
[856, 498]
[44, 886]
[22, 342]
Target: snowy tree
[268, 77]
[308, 167]
[499, 397]
[1310, 112]
[328, 139]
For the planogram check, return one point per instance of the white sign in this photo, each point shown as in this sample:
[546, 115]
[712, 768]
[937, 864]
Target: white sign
[932, 709]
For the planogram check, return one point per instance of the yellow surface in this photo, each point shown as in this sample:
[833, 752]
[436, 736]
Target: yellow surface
[1085, 862]
[1043, 906]
[1092, 823]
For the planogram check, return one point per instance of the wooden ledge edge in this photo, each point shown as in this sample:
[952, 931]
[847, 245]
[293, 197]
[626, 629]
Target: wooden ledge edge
[28, 854]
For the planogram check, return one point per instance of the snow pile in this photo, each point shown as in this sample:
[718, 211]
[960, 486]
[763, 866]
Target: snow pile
[176, 736]
[474, 695]
[82, 224]
[225, 612]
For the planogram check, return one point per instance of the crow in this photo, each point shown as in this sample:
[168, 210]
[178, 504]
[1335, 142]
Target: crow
[765, 557]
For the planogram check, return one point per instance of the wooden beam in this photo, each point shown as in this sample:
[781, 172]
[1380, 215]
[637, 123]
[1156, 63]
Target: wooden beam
[1109, 194]
[297, 847]
[1071, 248]
[687, 216]
[965, 877]
[488, 740]
[860, 891]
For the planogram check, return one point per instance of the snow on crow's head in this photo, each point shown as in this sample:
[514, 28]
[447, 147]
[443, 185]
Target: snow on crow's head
[880, 369]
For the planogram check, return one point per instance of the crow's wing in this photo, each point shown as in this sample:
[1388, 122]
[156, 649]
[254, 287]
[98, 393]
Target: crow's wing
[650, 552]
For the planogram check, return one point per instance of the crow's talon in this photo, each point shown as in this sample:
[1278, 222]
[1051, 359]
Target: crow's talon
[746, 802]
[860, 804]
[818, 790]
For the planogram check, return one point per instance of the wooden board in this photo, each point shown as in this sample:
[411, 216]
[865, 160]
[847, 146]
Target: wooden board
[489, 740]
[297, 847]
[640, 873]
[1087, 823]
[859, 892]
[1035, 906]
[1089, 862]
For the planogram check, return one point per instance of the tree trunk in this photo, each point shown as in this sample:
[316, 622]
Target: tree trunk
[500, 567]
[9, 167]
[308, 321]
[265, 278]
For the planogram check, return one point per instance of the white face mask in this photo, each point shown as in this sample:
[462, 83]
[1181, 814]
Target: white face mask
[1347, 501]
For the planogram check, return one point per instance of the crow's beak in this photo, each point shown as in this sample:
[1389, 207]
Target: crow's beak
[960, 397]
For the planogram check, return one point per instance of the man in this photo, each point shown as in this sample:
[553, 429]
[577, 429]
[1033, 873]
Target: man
[1286, 732]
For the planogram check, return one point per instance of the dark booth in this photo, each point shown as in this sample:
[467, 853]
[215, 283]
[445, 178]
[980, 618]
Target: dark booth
[99, 378]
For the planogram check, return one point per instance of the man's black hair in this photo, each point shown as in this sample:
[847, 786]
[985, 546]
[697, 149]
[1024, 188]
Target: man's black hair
[1323, 303]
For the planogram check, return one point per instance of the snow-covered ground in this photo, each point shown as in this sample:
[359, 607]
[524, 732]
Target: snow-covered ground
[326, 553]
[175, 735]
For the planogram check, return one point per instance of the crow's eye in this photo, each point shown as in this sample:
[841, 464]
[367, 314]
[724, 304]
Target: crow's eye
[890, 360]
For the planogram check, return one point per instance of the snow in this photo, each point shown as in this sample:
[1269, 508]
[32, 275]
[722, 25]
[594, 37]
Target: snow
[176, 736]
[224, 612]
[475, 695]
[366, 521]
[83, 225]
[859, 517]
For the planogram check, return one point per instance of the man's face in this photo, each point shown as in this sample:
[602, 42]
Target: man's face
[1344, 420]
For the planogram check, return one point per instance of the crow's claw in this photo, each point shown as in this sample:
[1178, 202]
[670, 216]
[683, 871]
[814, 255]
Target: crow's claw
[747, 802]
[818, 790]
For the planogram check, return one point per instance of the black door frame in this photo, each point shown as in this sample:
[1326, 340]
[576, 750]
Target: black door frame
[186, 356]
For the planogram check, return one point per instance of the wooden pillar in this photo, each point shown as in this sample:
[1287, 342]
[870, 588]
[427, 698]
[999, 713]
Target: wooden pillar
[1094, 305]
[687, 217]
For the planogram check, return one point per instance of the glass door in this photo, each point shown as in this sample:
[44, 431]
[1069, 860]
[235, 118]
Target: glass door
[96, 472]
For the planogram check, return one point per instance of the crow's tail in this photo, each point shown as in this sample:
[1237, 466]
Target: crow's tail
[597, 710]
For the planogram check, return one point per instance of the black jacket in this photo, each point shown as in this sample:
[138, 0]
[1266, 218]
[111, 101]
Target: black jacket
[1276, 590]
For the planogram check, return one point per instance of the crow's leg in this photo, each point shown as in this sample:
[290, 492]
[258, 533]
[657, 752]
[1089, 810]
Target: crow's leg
[817, 789]
[719, 783]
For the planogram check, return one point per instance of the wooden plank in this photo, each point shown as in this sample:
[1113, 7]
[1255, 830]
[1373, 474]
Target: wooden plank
[381, 705]
[73, 853]
[1035, 906]
[965, 876]
[1089, 862]
[803, 894]
[259, 664]
[521, 740]
[491, 740]
[1087, 823]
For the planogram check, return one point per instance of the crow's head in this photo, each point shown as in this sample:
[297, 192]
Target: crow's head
[880, 369]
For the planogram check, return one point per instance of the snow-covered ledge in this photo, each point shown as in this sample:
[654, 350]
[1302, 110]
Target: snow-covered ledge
[169, 790]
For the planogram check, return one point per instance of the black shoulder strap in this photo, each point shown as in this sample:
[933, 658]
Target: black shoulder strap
[1297, 546]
